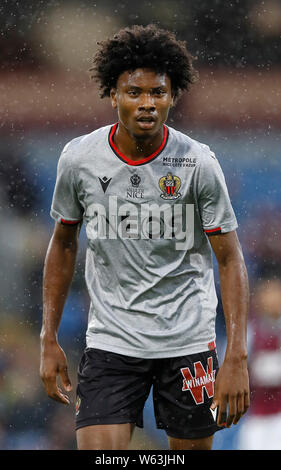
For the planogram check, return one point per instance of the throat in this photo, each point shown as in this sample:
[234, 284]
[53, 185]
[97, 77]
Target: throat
[136, 147]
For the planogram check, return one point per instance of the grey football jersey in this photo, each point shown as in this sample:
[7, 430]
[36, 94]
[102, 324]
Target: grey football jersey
[149, 267]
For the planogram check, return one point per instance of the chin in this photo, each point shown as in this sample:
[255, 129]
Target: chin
[139, 132]
[144, 134]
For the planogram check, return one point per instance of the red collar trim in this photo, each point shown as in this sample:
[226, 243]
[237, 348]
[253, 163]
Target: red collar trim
[143, 160]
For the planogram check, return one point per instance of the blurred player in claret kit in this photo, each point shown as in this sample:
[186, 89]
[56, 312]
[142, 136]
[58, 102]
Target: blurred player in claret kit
[155, 204]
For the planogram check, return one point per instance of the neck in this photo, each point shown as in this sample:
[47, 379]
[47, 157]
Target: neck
[135, 147]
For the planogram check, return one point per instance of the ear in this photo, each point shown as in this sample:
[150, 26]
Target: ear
[113, 97]
[173, 99]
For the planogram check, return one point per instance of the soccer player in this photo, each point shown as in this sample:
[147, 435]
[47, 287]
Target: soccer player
[155, 204]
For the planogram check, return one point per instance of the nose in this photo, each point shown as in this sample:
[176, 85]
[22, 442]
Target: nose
[147, 103]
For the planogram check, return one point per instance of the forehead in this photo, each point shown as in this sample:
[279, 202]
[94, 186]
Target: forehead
[143, 78]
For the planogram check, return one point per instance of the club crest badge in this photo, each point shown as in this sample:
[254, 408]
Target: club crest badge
[170, 186]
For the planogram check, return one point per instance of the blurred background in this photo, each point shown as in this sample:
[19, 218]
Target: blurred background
[46, 99]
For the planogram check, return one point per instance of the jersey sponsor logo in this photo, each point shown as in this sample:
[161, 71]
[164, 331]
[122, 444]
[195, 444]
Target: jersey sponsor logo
[104, 182]
[170, 186]
[203, 379]
[188, 162]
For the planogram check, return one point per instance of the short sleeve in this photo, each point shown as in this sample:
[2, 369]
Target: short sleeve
[215, 207]
[66, 207]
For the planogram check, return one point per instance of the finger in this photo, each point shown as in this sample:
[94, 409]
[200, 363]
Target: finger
[214, 404]
[222, 414]
[240, 408]
[232, 411]
[246, 402]
[59, 396]
[49, 382]
[65, 379]
[53, 391]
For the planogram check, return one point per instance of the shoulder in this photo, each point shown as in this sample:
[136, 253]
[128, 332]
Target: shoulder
[201, 151]
[74, 151]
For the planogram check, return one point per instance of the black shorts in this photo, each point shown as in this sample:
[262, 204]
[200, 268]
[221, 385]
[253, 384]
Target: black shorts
[112, 389]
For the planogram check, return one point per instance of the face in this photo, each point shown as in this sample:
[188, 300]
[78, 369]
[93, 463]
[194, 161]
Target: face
[143, 99]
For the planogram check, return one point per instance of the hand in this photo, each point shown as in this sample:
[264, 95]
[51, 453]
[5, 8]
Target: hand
[53, 363]
[232, 395]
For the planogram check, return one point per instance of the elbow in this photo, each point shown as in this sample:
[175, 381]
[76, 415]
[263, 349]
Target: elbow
[70, 247]
[231, 259]
[64, 246]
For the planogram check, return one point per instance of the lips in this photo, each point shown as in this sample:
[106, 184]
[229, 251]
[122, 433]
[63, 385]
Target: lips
[146, 119]
[146, 122]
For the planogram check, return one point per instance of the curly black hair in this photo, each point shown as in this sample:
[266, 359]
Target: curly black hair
[143, 47]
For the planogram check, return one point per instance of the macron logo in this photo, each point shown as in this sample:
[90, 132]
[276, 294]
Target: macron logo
[104, 182]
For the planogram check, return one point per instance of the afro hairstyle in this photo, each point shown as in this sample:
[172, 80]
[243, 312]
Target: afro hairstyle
[143, 47]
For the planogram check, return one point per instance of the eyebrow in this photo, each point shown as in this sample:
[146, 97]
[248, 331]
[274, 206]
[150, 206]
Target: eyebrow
[160, 87]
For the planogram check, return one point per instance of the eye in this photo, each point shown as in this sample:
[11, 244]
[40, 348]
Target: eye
[132, 93]
[159, 92]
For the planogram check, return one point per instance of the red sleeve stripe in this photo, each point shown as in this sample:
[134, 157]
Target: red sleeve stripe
[70, 222]
[213, 231]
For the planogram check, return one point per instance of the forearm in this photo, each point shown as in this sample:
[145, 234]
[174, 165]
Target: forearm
[57, 277]
[235, 299]
[232, 396]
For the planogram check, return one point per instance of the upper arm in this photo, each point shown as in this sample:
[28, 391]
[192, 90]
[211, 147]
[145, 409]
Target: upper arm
[226, 247]
[66, 206]
[216, 212]
[66, 235]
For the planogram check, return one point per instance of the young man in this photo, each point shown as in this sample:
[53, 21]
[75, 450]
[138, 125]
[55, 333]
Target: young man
[154, 203]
